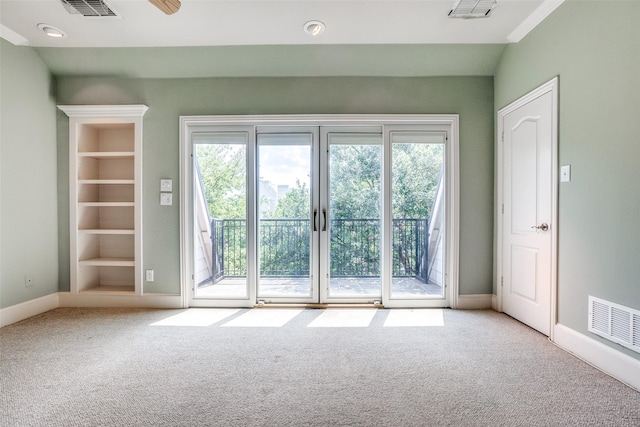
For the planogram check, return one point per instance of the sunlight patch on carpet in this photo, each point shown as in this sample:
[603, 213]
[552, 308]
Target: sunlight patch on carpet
[409, 317]
[197, 317]
[343, 318]
[266, 318]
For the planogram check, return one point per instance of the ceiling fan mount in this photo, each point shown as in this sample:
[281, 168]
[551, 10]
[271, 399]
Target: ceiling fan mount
[169, 7]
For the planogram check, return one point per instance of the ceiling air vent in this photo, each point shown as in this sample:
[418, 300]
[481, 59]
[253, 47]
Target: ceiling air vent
[88, 7]
[468, 9]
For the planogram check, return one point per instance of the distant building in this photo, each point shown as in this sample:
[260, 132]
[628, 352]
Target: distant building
[282, 190]
[268, 197]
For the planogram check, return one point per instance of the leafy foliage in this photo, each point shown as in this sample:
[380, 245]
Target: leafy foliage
[355, 188]
[415, 173]
[355, 181]
[223, 172]
[294, 204]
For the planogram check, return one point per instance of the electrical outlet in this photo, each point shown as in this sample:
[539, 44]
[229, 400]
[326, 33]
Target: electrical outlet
[148, 275]
[28, 281]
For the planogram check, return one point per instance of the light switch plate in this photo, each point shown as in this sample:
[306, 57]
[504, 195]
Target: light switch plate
[565, 173]
[166, 199]
[166, 185]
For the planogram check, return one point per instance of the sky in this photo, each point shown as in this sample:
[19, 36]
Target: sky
[283, 164]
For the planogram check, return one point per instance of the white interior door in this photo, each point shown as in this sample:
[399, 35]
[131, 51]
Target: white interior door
[528, 221]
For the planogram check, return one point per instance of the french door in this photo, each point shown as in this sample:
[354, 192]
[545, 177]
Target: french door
[316, 213]
[287, 194]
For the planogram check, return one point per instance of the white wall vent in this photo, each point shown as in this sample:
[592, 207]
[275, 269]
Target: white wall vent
[469, 9]
[88, 7]
[615, 322]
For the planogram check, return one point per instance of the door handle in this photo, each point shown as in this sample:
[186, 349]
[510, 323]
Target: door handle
[324, 214]
[315, 214]
[542, 227]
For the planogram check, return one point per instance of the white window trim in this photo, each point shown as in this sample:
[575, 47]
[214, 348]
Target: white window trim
[446, 122]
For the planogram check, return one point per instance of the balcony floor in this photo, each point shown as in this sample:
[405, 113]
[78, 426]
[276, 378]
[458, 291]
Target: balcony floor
[342, 287]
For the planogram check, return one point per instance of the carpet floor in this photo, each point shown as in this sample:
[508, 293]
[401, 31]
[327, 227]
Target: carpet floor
[268, 367]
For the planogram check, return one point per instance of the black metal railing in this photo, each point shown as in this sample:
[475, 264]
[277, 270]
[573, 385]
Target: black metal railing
[355, 248]
[284, 247]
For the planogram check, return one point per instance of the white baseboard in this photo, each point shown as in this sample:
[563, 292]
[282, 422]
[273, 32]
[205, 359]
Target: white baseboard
[68, 299]
[474, 302]
[612, 362]
[24, 310]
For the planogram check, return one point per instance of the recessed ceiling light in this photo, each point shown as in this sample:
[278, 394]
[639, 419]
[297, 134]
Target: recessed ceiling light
[52, 31]
[314, 28]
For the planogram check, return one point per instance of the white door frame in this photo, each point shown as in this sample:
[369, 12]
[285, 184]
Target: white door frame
[325, 202]
[550, 86]
[446, 122]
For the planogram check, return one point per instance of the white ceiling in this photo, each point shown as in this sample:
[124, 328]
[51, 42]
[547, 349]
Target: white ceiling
[270, 22]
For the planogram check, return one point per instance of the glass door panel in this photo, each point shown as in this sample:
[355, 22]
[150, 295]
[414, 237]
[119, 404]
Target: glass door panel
[417, 192]
[220, 215]
[319, 214]
[285, 239]
[354, 193]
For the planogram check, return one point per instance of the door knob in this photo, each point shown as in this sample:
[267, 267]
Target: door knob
[543, 227]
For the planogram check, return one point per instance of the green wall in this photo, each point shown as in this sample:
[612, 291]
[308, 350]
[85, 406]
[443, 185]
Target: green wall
[168, 99]
[595, 49]
[28, 177]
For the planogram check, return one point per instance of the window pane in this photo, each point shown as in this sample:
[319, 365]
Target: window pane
[417, 214]
[355, 172]
[284, 211]
[220, 220]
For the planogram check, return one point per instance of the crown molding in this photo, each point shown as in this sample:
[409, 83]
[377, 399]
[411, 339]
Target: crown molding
[533, 20]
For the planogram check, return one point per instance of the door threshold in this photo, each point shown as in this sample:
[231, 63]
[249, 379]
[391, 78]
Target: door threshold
[319, 305]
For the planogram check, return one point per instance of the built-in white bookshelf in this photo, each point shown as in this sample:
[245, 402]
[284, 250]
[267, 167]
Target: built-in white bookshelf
[105, 193]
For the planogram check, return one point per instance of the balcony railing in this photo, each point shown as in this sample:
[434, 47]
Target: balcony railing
[355, 248]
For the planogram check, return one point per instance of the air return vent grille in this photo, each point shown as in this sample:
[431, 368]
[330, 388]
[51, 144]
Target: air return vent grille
[88, 7]
[469, 9]
[615, 322]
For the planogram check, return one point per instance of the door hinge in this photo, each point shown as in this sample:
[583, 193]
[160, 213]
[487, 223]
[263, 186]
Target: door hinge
[502, 136]
[501, 281]
[503, 209]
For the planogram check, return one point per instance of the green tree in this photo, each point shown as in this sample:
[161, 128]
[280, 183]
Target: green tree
[294, 204]
[284, 234]
[416, 173]
[355, 181]
[222, 169]
[355, 184]
[223, 172]
[355, 173]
